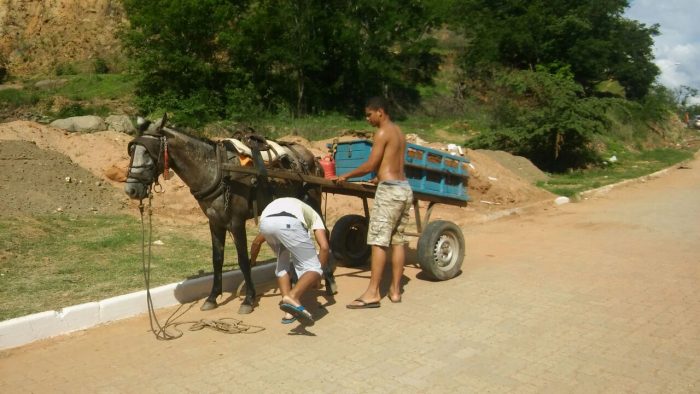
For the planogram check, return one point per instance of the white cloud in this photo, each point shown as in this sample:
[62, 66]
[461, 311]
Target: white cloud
[677, 48]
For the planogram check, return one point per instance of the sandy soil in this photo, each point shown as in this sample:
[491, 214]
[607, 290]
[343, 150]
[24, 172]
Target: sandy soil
[50, 170]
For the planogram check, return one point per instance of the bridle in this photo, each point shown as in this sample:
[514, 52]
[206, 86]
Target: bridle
[157, 149]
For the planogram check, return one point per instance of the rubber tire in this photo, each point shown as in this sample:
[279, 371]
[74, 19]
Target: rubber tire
[441, 250]
[349, 240]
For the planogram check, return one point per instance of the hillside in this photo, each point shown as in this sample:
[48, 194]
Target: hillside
[36, 36]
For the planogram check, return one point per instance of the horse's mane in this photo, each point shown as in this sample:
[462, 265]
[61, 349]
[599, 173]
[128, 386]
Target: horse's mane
[239, 134]
[187, 134]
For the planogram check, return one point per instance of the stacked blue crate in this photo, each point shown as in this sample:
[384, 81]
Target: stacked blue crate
[349, 155]
[428, 170]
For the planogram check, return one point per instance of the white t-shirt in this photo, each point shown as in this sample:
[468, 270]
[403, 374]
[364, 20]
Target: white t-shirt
[302, 211]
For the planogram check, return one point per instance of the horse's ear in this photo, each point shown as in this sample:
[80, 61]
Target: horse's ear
[161, 123]
[142, 124]
[157, 127]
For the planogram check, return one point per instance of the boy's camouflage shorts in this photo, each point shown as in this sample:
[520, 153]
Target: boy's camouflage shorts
[389, 215]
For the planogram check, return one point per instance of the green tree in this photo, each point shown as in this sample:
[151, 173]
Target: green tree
[315, 55]
[632, 59]
[542, 116]
[178, 55]
[591, 37]
[214, 58]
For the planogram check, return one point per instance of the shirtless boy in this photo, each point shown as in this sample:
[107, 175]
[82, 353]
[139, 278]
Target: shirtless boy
[392, 201]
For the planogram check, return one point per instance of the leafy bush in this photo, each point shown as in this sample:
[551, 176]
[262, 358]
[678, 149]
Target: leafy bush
[65, 69]
[243, 102]
[3, 68]
[14, 98]
[656, 104]
[541, 116]
[78, 109]
[72, 109]
[194, 110]
[99, 66]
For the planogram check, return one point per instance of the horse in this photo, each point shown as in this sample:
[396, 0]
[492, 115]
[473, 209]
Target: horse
[227, 198]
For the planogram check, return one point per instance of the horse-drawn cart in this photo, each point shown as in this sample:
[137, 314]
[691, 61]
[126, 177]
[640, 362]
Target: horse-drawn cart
[230, 191]
[435, 177]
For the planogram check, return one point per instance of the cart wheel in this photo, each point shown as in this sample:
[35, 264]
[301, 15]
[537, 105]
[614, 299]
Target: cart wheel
[441, 249]
[349, 240]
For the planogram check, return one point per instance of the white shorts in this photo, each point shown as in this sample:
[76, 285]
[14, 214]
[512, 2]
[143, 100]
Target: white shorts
[292, 244]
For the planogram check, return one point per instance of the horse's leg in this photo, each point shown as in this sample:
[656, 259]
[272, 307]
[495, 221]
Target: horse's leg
[312, 197]
[331, 287]
[218, 241]
[238, 231]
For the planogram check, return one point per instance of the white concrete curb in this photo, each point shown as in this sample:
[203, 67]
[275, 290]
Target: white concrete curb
[26, 329]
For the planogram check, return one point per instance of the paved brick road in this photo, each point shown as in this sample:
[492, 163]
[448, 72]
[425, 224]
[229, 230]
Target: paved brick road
[601, 296]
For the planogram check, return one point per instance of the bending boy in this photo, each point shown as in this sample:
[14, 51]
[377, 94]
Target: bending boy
[285, 225]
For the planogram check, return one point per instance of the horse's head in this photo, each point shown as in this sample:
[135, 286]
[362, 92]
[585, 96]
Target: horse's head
[148, 154]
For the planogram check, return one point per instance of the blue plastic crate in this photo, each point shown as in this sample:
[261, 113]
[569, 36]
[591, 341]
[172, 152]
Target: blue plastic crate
[428, 170]
[349, 155]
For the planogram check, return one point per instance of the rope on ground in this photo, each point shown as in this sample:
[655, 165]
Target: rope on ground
[226, 325]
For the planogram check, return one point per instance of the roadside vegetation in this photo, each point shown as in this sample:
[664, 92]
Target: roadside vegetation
[628, 165]
[58, 261]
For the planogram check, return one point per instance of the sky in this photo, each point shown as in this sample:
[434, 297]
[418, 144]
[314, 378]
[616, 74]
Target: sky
[677, 48]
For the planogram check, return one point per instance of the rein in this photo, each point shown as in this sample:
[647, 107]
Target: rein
[166, 169]
[224, 325]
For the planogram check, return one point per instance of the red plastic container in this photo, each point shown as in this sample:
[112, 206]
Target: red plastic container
[328, 165]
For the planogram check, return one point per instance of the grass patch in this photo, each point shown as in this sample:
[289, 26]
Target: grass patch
[50, 262]
[97, 86]
[87, 94]
[77, 109]
[312, 128]
[14, 98]
[629, 166]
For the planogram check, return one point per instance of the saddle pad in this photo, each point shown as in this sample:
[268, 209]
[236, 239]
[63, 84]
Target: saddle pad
[269, 156]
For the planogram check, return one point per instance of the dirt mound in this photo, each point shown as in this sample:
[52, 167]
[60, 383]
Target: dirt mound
[492, 182]
[33, 180]
[100, 159]
[519, 165]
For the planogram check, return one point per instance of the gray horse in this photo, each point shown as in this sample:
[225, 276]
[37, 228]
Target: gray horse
[227, 198]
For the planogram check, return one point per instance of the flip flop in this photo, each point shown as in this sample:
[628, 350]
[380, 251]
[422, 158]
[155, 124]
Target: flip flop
[363, 304]
[288, 321]
[300, 313]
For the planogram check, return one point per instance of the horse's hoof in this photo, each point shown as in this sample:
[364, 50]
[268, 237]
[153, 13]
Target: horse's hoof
[245, 309]
[332, 289]
[208, 305]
